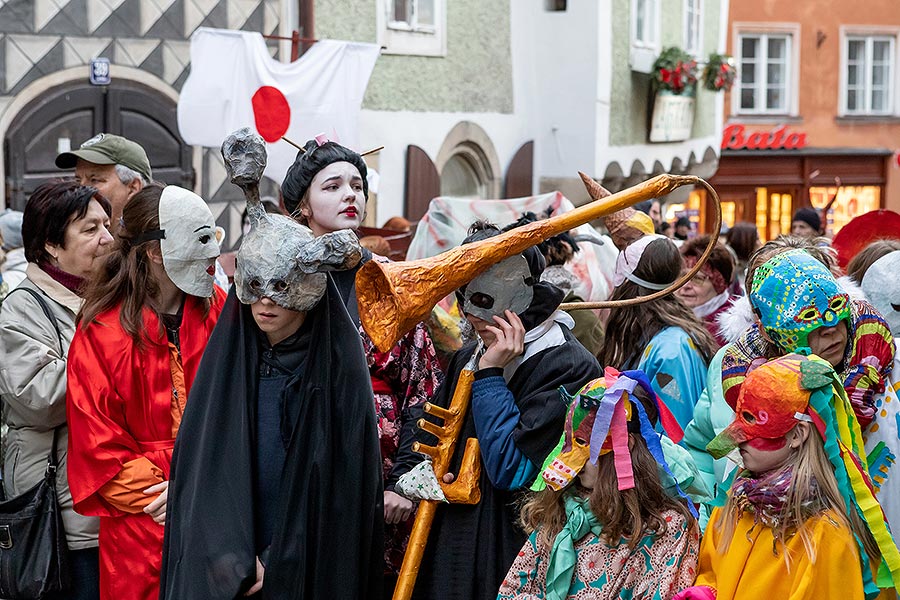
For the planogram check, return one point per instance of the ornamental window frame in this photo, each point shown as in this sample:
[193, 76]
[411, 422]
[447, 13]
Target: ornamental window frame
[869, 35]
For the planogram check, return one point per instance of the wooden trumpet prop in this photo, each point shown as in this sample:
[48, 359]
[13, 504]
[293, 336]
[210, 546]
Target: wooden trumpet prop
[463, 490]
[393, 297]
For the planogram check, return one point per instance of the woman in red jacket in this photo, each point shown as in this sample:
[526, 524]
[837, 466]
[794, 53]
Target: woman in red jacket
[142, 330]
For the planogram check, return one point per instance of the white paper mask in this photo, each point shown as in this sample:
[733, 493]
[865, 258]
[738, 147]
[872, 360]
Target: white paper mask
[189, 243]
[882, 287]
[505, 286]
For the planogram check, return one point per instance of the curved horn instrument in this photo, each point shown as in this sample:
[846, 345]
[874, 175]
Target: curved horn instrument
[393, 297]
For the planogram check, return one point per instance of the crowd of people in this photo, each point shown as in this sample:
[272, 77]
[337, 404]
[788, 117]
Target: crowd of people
[733, 439]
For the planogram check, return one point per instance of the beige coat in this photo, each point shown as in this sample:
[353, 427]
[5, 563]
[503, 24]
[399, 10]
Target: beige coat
[33, 391]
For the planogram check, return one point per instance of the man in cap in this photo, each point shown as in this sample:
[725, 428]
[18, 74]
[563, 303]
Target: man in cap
[116, 166]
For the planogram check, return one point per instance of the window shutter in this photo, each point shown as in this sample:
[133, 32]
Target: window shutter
[422, 183]
[520, 173]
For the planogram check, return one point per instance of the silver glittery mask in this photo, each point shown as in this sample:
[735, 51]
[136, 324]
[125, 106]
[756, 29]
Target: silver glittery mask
[280, 259]
[505, 286]
[882, 287]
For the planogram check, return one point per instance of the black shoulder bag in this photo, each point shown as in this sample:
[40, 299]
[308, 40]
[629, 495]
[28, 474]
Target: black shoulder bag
[34, 556]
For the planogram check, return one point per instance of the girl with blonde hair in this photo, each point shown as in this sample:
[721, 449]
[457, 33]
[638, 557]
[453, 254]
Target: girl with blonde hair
[802, 503]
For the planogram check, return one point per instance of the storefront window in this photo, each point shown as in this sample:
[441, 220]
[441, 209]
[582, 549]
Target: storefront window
[774, 210]
[851, 201]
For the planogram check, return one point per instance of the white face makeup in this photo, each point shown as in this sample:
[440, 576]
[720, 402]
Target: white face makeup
[336, 199]
[190, 246]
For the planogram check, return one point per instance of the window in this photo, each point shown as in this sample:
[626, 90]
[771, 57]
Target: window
[765, 73]
[555, 5]
[412, 15]
[468, 164]
[645, 17]
[693, 27]
[868, 75]
[415, 27]
[644, 34]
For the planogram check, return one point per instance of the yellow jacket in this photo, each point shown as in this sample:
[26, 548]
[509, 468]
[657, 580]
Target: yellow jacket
[750, 570]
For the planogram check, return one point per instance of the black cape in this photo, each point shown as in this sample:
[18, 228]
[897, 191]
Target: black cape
[328, 540]
[471, 548]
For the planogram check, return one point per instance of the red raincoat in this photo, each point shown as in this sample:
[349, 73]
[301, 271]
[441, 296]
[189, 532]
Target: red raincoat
[119, 409]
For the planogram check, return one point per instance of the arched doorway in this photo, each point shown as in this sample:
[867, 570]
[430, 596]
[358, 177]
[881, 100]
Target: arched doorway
[65, 116]
[463, 177]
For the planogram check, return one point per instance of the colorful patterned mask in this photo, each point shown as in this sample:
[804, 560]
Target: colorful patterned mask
[770, 404]
[773, 399]
[794, 294]
[599, 418]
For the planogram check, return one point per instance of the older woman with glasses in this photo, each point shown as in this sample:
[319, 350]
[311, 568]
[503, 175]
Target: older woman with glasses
[707, 292]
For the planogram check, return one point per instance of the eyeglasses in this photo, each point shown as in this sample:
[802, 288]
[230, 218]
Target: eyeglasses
[699, 278]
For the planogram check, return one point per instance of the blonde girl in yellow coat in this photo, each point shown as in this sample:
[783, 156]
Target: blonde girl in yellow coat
[801, 520]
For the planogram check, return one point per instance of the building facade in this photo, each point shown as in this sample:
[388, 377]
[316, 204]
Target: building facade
[469, 98]
[814, 116]
[515, 98]
[48, 105]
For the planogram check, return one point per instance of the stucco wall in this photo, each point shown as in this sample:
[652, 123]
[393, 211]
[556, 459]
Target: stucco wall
[631, 90]
[474, 76]
[820, 70]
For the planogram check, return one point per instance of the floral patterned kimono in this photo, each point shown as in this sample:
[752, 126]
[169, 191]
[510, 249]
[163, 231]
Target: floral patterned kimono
[403, 378]
[657, 569]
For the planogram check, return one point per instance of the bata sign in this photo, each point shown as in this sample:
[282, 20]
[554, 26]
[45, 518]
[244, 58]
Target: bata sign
[736, 138]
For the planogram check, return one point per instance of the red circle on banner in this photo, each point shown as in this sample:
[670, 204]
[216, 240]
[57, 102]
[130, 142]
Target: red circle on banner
[271, 112]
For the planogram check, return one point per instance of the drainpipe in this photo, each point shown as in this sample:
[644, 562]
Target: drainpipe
[307, 24]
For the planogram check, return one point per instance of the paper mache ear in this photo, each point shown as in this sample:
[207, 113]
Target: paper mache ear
[335, 251]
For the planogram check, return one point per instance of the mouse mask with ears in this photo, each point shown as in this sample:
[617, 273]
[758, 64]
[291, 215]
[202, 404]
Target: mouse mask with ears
[280, 259]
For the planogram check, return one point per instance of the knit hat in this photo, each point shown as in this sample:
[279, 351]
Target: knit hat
[810, 216]
[11, 229]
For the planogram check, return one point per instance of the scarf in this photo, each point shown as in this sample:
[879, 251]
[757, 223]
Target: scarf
[712, 305]
[580, 521]
[73, 283]
[765, 497]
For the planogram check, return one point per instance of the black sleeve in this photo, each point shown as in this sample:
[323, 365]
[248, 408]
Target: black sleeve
[536, 386]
